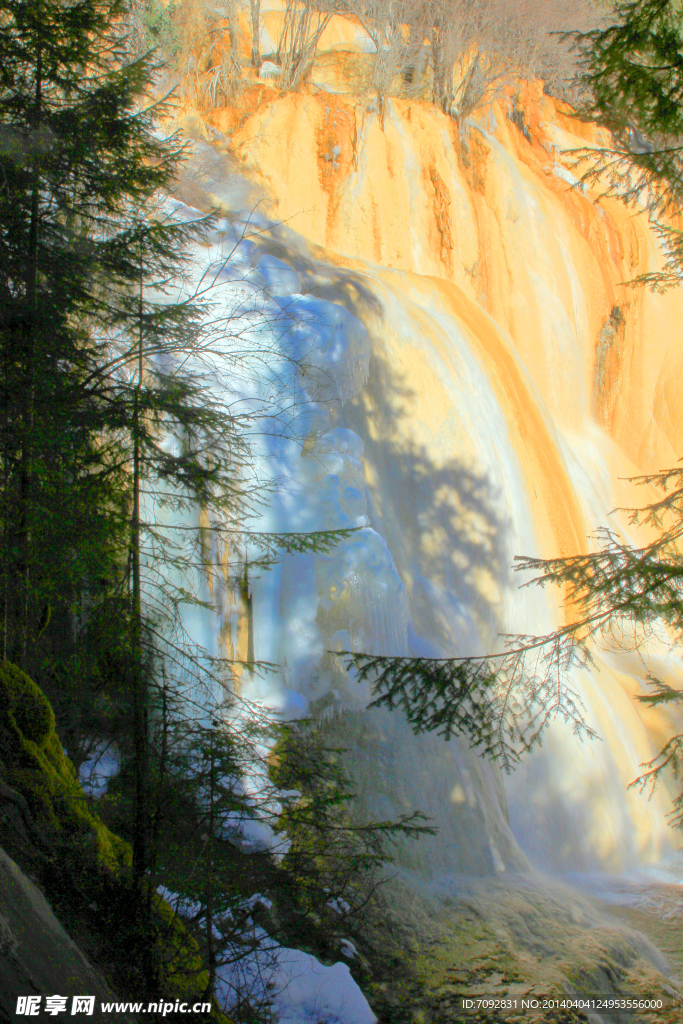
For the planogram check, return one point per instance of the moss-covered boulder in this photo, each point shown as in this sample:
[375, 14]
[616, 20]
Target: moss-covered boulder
[33, 763]
[38, 778]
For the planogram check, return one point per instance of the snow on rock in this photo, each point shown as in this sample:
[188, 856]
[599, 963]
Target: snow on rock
[298, 988]
[269, 70]
[305, 991]
[279, 276]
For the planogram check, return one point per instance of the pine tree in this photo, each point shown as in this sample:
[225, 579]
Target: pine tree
[74, 150]
[632, 75]
[255, 838]
[80, 158]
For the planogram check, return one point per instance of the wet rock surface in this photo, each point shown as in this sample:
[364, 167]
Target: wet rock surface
[37, 956]
[526, 944]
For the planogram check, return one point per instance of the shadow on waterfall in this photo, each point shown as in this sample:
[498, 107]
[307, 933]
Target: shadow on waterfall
[440, 517]
[441, 514]
[444, 523]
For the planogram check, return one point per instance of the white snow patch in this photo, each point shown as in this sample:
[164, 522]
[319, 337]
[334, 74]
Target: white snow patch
[298, 987]
[269, 70]
[307, 991]
[340, 905]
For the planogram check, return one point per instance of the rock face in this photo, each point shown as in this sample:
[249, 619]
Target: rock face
[512, 383]
[37, 957]
[514, 939]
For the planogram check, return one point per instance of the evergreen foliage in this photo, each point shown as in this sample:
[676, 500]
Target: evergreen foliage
[625, 597]
[500, 702]
[632, 71]
[330, 866]
[632, 74]
[79, 158]
[253, 839]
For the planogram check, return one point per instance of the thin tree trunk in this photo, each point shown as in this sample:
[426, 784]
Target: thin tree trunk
[248, 605]
[141, 835]
[306, 55]
[28, 382]
[210, 942]
[6, 504]
[163, 759]
[255, 33]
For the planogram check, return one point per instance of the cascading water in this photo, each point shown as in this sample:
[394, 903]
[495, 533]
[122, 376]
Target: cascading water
[474, 382]
[421, 450]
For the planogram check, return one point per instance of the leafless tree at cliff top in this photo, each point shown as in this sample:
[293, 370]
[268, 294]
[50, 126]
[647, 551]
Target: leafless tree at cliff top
[397, 29]
[479, 46]
[303, 25]
[200, 45]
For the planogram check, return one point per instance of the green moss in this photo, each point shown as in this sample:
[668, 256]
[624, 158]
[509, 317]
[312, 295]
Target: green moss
[25, 704]
[183, 968]
[33, 762]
